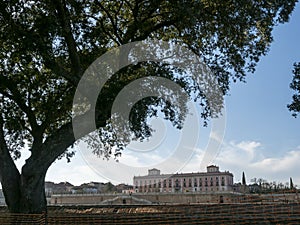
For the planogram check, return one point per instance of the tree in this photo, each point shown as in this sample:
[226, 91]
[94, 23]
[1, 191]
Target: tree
[295, 85]
[243, 179]
[47, 46]
[291, 184]
[109, 188]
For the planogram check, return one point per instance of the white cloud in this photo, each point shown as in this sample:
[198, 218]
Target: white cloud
[236, 157]
[240, 154]
[248, 156]
[76, 172]
[249, 147]
[288, 162]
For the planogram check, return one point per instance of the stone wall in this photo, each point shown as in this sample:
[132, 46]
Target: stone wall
[139, 198]
[170, 198]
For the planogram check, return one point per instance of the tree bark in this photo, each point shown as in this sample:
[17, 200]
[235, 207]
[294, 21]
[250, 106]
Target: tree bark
[10, 180]
[32, 197]
[9, 174]
[25, 192]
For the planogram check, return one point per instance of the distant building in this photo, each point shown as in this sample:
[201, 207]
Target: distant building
[211, 181]
[94, 188]
[60, 188]
[124, 188]
[86, 188]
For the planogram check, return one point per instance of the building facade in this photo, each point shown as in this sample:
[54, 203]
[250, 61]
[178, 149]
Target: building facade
[211, 181]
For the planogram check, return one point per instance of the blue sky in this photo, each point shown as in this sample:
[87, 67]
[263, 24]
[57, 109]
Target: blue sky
[257, 109]
[261, 137]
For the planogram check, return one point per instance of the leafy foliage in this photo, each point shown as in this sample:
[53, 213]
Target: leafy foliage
[295, 85]
[47, 45]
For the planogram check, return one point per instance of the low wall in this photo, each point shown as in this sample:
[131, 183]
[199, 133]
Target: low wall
[139, 198]
[170, 198]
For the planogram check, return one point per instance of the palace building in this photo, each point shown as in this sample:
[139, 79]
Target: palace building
[211, 181]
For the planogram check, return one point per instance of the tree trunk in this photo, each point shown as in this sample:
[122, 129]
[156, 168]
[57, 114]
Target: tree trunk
[32, 197]
[9, 174]
[10, 180]
[26, 195]
[25, 192]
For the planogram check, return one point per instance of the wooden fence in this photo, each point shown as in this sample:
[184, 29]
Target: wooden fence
[158, 214]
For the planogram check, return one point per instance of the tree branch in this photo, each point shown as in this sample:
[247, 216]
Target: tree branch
[9, 174]
[16, 97]
[62, 14]
[115, 27]
[56, 144]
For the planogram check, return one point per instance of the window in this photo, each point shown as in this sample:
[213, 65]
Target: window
[170, 183]
[195, 182]
[165, 183]
[190, 182]
[223, 181]
[177, 183]
[200, 182]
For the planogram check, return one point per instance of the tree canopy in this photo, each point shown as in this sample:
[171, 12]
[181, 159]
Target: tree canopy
[295, 85]
[47, 46]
